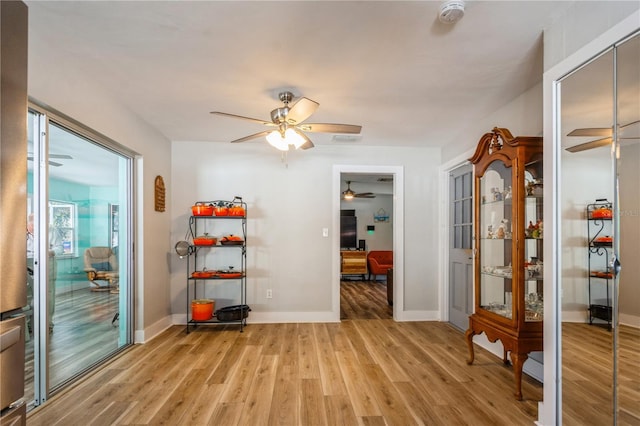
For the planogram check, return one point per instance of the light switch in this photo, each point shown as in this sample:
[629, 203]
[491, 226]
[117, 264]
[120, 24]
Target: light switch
[325, 232]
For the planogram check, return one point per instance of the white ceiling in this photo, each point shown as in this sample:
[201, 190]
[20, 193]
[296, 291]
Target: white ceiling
[391, 66]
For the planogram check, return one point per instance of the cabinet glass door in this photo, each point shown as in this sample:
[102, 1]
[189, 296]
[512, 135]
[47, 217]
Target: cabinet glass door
[495, 233]
[533, 264]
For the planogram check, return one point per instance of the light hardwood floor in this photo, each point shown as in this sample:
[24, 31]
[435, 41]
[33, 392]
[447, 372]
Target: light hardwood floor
[587, 382]
[82, 335]
[359, 371]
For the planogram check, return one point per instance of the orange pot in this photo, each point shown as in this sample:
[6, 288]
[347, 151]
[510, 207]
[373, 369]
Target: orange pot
[602, 213]
[205, 240]
[221, 211]
[236, 211]
[201, 209]
[202, 309]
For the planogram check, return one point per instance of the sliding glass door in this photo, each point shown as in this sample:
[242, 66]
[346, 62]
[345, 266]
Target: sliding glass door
[79, 202]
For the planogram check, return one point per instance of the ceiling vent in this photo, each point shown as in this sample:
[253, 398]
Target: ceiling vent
[451, 11]
[346, 138]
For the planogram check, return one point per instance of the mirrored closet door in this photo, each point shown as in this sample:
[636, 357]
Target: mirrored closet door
[600, 226]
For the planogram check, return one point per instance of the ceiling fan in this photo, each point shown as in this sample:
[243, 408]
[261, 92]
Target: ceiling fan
[288, 123]
[53, 163]
[348, 194]
[604, 132]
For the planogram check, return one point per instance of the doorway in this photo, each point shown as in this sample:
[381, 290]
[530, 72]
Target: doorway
[380, 220]
[78, 252]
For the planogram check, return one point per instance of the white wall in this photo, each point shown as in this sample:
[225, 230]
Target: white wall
[288, 205]
[66, 89]
[580, 24]
[522, 116]
[366, 208]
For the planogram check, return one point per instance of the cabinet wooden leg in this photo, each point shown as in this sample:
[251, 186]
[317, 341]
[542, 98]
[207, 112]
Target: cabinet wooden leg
[469, 336]
[518, 361]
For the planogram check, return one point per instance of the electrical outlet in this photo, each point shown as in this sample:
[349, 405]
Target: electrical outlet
[325, 232]
[269, 293]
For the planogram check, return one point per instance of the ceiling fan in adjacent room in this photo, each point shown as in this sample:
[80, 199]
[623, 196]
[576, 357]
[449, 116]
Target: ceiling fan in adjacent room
[605, 134]
[56, 156]
[289, 127]
[348, 194]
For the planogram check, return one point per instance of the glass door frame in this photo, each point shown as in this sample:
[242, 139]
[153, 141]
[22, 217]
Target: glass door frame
[43, 116]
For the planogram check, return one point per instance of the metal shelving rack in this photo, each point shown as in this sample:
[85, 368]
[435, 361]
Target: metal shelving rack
[600, 273]
[192, 283]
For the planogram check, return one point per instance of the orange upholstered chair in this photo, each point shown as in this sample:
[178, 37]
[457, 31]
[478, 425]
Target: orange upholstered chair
[379, 262]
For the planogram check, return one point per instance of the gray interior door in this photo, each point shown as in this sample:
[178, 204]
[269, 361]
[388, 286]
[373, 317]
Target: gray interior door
[460, 246]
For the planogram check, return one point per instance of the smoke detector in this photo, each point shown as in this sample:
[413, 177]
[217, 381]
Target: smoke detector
[451, 11]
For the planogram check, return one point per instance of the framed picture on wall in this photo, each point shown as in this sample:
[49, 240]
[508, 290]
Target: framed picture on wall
[114, 224]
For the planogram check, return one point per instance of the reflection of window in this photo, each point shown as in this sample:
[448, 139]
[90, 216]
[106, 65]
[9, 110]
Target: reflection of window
[114, 224]
[63, 231]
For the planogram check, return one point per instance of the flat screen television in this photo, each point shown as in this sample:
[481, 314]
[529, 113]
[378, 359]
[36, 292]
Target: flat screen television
[348, 232]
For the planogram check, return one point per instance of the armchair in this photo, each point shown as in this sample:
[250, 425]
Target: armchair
[379, 262]
[101, 264]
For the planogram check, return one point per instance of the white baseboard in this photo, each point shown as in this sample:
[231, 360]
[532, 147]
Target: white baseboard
[581, 316]
[145, 335]
[629, 320]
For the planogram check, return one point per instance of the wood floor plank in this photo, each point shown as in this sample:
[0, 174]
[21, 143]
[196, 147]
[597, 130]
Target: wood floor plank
[242, 375]
[259, 395]
[307, 353]
[181, 399]
[312, 409]
[362, 396]
[383, 349]
[339, 410]
[226, 413]
[204, 403]
[389, 401]
[224, 368]
[332, 378]
[284, 408]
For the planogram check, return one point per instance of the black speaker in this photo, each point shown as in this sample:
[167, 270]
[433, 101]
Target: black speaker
[361, 245]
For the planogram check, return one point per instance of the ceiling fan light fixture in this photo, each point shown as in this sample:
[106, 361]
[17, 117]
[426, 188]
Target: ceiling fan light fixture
[276, 140]
[348, 195]
[291, 137]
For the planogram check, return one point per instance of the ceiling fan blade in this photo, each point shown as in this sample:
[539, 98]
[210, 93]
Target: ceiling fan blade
[365, 195]
[254, 136]
[242, 117]
[590, 145]
[331, 128]
[54, 164]
[591, 131]
[301, 110]
[61, 156]
[598, 131]
[307, 142]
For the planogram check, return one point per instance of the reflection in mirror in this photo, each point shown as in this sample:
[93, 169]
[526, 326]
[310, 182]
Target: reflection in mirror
[586, 174]
[628, 169]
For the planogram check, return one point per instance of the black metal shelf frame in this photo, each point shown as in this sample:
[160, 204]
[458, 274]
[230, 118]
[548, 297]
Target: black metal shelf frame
[192, 282]
[599, 250]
